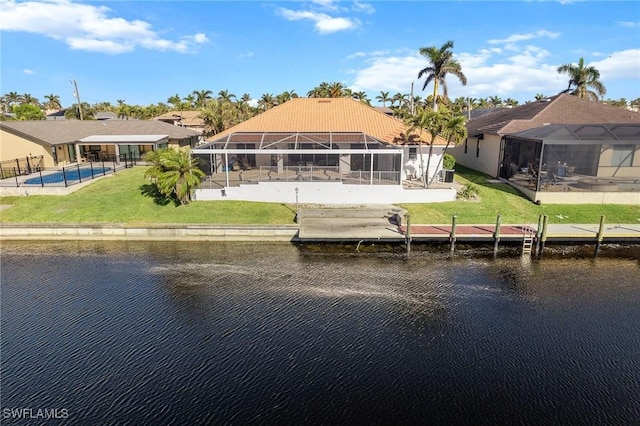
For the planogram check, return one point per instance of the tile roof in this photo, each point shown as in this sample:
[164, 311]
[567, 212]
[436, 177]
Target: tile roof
[559, 109]
[327, 115]
[68, 131]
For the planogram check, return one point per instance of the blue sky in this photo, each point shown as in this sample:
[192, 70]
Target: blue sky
[146, 51]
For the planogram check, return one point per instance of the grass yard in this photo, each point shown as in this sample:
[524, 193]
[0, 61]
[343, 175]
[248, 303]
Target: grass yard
[126, 197]
[502, 199]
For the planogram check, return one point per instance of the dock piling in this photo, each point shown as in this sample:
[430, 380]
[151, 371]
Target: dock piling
[496, 237]
[408, 234]
[452, 236]
[543, 237]
[600, 235]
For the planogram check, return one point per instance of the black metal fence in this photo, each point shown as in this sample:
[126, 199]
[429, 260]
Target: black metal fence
[21, 166]
[69, 175]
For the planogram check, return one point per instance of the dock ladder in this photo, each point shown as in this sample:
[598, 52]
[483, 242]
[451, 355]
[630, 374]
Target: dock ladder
[527, 239]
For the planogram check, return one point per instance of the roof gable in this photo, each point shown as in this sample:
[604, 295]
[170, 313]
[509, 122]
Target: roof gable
[324, 115]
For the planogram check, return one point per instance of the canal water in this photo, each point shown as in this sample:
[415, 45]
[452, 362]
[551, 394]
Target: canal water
[251, 333]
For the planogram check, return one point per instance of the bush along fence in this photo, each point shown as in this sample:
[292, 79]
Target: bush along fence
[68, 175]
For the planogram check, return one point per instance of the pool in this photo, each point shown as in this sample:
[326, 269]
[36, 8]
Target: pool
[71, 175]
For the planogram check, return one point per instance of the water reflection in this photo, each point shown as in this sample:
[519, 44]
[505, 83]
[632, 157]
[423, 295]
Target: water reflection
[270, 333]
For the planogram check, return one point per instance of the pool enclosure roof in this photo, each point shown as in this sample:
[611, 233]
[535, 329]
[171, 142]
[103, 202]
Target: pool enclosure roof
[295, 140]
[626, 133]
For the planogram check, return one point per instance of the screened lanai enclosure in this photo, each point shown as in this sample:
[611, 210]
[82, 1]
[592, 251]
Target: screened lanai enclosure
[350, 158]
[573, 158]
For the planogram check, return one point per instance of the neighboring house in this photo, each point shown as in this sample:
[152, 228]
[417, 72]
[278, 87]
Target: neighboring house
[187, 119]
[69, 141]
[530, 145]
[334, 148]
[100, 115]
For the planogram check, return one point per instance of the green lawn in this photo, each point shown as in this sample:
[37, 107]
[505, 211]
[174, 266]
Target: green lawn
[504, 200]
[126, 197]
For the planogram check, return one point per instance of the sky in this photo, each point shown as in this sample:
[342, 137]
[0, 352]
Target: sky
[144, 52]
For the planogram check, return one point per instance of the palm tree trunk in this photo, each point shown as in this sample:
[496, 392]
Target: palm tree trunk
[426, 173]
[424, 176]
[440, 161]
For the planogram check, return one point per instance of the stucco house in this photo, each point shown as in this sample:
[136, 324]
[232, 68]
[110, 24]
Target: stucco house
[59, 143]
[335, 150]
[561, 149]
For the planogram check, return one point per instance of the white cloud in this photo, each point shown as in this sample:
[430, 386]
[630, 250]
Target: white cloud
[629, 24]
[324, 24]
[623, 64]
[363, 7]
[514, 38]
[28, 71]
[88, 27]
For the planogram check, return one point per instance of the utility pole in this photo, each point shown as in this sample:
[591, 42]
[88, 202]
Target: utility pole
[77, 95]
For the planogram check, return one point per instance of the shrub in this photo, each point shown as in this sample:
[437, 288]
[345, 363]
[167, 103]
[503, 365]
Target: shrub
[468, 192]
[448, 162]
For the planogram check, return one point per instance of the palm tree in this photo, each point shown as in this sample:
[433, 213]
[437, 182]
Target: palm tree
[454, 129]
[266, 101]
[189, 102]
[175, 172]
[441, 63]
[28, 99]
[337, 90]
[384, 98]
[174, 100]
[539, 96]
[53, 102]
[583, 78]
[225, 96]
[495, 101]
[12, 98]
[432, 122]
[201, 97]
[361, 96]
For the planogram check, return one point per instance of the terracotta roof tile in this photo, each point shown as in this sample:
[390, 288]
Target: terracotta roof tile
[326, 115]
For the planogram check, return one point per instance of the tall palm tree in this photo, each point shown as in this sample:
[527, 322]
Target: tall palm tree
[441, 63]
[583, 78]
[175, 172]
[384, 98]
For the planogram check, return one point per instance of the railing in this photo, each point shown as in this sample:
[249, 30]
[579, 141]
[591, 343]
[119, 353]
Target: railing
[69, 175]
[21, 166]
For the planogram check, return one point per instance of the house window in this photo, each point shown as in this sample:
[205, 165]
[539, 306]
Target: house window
[622, 155]
[478, 148]
[466, 145]
[413, 153]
